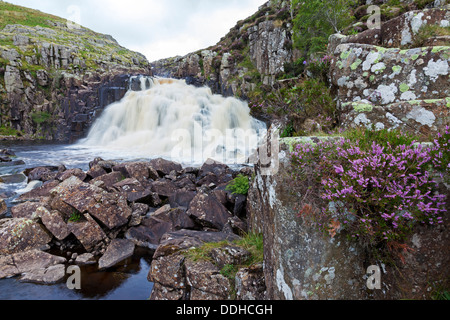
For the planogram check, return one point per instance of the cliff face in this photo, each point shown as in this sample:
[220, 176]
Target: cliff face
[251, 55]
[54, 74]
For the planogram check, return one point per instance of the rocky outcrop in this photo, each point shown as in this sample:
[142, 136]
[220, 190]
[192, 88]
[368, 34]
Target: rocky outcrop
[105, 213]
[55, 79]
[253, 53]
[388, 83]
[302, 263]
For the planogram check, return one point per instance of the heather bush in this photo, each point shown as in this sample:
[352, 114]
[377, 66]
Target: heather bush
[376, 193]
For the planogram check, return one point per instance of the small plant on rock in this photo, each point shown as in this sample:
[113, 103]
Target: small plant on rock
[239, 185]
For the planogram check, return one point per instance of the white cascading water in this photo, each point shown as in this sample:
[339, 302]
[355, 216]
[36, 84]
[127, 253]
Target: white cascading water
[171, 119]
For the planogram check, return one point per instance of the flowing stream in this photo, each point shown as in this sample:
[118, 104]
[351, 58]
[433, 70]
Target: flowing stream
[165, 118]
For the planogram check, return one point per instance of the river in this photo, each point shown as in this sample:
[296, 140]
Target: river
[166, 119]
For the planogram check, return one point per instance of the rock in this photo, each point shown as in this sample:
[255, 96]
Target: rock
[206, 281]
[27, 261]
[46, 276]
[141, 171]
[117, 251]
[177, 217]
[85, 259]
[402, 31]
[229, 255]
[169, 272]
[418, 117]
[88, 232]
[96, 171]
[80, 174]
[149, 233]
[13, 178]
[250, 284]
[20, 234]
[206, 210]
[39, 193]
[45, 173]
[3, 207]
[165, 167]
[54, 222]
[164, 188]
[136, 192]
[25, 210]
[181, 198]
[176, 277]
[106, 180]
[398, 88]
[111, 209]
[175, 241]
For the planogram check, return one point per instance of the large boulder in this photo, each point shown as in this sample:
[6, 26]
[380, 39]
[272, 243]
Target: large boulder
[177, 277]
[111, 209]
[206, 210]
[20, 234]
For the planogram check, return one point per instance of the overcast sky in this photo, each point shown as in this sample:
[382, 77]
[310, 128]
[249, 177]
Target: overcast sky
[156, 28]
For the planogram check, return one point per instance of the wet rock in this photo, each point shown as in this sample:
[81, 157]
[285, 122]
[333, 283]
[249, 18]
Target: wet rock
[20, 234]
[206, 210]
[45, 173]
[13, 178]
[117, 251]
[23, 262]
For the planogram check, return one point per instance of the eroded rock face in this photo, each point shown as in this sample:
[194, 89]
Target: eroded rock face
[61, 75]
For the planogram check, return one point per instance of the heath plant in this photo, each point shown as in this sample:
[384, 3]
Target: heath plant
[376, 192]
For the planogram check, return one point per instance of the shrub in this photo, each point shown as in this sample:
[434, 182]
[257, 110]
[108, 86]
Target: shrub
[377, 194]
[239, 185]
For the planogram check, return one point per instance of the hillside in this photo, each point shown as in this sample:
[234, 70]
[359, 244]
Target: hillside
[48, 63]
[282, 60]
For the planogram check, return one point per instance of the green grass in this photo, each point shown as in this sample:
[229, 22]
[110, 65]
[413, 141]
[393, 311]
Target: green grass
[13, 14]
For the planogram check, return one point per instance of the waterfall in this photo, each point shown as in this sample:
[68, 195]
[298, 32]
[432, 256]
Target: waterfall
[168, 118]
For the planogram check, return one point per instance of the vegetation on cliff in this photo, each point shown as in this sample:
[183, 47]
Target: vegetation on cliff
[42, 57]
